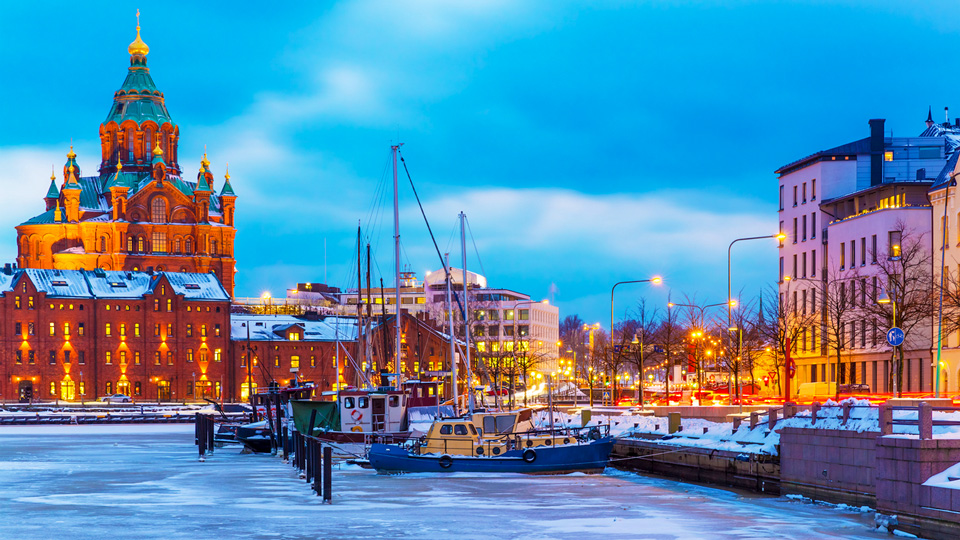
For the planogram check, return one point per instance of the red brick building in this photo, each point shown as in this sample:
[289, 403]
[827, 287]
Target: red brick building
[75, 334]
[138, 211]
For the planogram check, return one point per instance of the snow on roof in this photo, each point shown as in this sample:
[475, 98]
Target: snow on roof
[116, 284]
[264, 327]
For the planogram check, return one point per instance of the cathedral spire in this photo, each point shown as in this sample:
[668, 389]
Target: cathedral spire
[138, 46]
[71, 162]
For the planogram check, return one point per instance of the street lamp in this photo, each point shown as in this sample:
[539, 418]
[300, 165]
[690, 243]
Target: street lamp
[780, 236]
[656, 280]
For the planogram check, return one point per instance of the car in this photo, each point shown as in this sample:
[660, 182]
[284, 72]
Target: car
[116, 398]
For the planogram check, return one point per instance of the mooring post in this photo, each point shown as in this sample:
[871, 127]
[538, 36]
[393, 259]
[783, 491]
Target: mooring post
[202, 437]
[211, 429]
[318, 475]
[284, 437]
[327, 474]
[814, 409]
[308, 460]
[196, 429]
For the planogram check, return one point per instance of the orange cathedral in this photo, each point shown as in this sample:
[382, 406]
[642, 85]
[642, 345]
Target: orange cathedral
[139, 212]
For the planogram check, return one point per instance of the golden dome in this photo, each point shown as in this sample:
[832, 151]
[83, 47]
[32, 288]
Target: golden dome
[227, 174]
[138, 46]
[156, 150]
[71, 154]
[53, 175]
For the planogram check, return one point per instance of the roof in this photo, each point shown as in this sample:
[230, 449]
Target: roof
[227, 190]
[53, 192]
[267, 327]
[114, 284]
[850, 149]
[147, 102]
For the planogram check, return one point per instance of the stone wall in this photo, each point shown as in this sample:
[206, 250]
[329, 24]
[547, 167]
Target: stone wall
[903, 464]
[828, 464]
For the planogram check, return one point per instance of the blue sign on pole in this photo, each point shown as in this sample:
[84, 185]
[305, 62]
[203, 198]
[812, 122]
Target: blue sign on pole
[895, 336]
[657, 349]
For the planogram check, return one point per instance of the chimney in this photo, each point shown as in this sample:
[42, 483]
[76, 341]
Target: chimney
[150, 270]
[946, 116]
[7, 269]
[876, 151]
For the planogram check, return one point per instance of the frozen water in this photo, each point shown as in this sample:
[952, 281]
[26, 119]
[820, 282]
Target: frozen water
[145, 482]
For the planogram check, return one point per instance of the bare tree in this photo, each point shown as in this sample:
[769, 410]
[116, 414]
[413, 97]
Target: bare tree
[783, 323]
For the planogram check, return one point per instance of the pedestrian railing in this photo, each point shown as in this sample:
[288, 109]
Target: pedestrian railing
[924, 420]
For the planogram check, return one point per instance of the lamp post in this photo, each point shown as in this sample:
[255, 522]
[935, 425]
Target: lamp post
[730, 302]
[884, 299]
[702, 310]
[656, 280]
[943, 254]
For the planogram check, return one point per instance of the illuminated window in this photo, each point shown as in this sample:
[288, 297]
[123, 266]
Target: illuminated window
[169, 305]
[888, 156]
[216, 330]
[108, 388]
[169, 330]
[894, 239]
[108, 356]
[19, 357]
[203, 330]
[156, 358]
[139, 245]
[313, 361]
[130, 244]
[189, 330]
[53, 329]
[123, 358]
[53, 388]
[169, 358]
[189, 355]
[16, 302]
[217, 355]
[159, 242]
[136, 358]
[136, 329]
[294, 362]
[106, 330]
[123, 329]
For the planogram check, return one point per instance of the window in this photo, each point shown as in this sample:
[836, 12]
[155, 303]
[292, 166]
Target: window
[795, 235]
[139, 246]
[843, 255]
[19, 357]
[130, 244]
[781, 269]
[795, 274]
[106, 330]
[524, 314]
[156, 330]
[216, 330]
[136, 358]
[294, 360]
[16, 303]
[66, 357]
[176, 246]
[863, 251]
[888, 156]
[813, 263]
[218, 355]
[159, 242]
[156, 358]
[189, 248]
[929, 152]
[873, 252]
[313, 361]
[189, 330]
[123, 358]
[893, 241]
[108, 357]
[213, 248]
[136, 388]
[459, 429]
[53, 358]
[781, 199]
[794, 195]
[803, 266]
[813, 189]
[17, 328]
[813, 225]
[169, 330]
[189, 355]
[446, 430]
[32, 357]
[276, 361]
[156, 304]
[203, 330]
[781, 230]
[803, 193]
[53, 329]
[136, 330]
[123, 330]
[30, 329]
[169, 358]
[853, 253]
[169, 305]
[108, 388]
[158, 211]
[66, 329]
[81, 357]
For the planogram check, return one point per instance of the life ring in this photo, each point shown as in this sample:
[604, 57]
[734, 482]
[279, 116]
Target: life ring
[356, 429]
[594, 434]
[479, 450]
[446, 461]
[529, 455]
[356, 415]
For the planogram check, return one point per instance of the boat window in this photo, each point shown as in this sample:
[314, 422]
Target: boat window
[363, 402]
[489, 425]
[473, 430]
[459, 429]
[445, 430]
[504, 424]
[348, 402]
[394, 401]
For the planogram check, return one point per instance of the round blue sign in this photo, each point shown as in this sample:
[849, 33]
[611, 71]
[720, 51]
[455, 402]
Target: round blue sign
[895, 336]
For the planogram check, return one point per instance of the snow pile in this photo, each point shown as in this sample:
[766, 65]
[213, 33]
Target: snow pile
[695, 432]
[949, 478]
[841, 506]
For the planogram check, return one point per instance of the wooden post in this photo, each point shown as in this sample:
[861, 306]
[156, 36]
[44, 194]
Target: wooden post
[201, 436]
[285, 437]
[886, 419]
[211, 431]
[846, 412]
[754, 419]
[267, 408]
[308, 457]
[318, 475]
[196, 429]
[772, 419]
[814, 409]
[327, 474]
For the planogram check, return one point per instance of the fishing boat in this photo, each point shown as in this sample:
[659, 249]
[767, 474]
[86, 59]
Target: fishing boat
[456, 445]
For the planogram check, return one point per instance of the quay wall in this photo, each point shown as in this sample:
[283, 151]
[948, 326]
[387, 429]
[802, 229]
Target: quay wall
[832, 465]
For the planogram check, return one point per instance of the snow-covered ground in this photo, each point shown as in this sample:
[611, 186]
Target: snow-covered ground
[145, 482]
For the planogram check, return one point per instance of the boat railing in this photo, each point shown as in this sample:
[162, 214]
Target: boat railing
[495, 445]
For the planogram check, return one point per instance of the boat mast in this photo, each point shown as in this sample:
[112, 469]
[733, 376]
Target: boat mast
[453, 346]
[368, 344]
[466, 313]
[360, 333]
[396, 254]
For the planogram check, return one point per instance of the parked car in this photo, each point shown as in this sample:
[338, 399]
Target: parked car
[116, 398]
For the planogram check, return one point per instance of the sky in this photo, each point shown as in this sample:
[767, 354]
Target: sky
[587, 142]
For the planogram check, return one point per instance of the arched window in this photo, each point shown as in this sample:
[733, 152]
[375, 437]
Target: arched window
[103, 244]
[147, 142]
[189, 249]
[140, 244]
[130, 243]
[176, 246]
[131, 138]
[213, 248]
[158, 210]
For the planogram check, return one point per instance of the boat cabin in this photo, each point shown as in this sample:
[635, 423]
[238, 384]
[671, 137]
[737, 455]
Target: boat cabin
[452, 436]
[422, 393]
[369, 411]
[492, 424]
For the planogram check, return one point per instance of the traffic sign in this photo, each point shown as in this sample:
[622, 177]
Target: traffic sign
[657, 349]
[895, 336]
[606, 395]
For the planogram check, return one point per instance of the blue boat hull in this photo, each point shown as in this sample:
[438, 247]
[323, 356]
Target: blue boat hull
[589, 458]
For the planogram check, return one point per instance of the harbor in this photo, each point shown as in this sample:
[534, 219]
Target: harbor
[93, 482]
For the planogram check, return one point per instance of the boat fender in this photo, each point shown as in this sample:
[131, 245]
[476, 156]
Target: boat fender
[529, 455]
[594, 434]
[356, 429]
[356, 415]
[479, 450]
[496, 451]
[446, 461]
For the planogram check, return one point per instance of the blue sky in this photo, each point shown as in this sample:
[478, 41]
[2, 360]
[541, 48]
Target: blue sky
[588, 143]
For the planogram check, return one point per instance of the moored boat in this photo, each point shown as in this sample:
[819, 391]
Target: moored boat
[455, 445]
